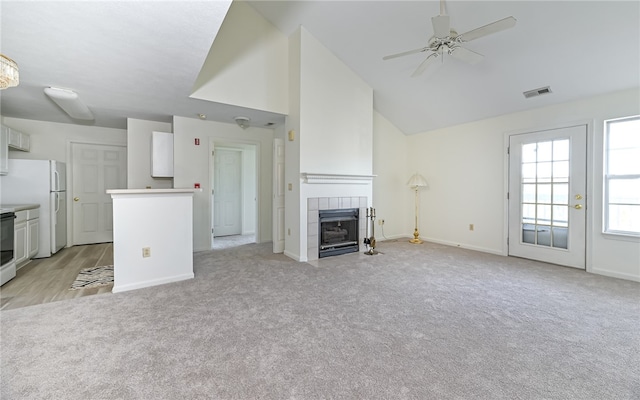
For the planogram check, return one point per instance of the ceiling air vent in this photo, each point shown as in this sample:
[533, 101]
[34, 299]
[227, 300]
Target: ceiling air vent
[537, 92]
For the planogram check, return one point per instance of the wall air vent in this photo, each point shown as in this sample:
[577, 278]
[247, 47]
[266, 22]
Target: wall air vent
[537, 92]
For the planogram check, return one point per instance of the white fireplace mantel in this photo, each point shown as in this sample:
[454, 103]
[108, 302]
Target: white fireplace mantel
[314, 178]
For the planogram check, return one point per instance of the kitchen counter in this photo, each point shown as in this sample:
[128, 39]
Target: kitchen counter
[19, 207]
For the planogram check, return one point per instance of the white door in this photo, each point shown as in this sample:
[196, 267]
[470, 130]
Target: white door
[547, 200]
[227, 192]
[278, 196]
[95, 169]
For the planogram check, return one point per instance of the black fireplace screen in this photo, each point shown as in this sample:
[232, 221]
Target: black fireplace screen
[338, 232]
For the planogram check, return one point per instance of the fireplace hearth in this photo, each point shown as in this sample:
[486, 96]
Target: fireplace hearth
[338, 232]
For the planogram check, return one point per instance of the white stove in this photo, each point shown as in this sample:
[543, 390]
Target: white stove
[7, 259]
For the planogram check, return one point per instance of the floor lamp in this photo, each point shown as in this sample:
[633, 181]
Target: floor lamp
[416, 182]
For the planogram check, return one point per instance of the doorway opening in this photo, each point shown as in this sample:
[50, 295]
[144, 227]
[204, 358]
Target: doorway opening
[234, 198]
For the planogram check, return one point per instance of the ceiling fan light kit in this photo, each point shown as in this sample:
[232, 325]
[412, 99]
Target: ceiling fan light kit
[70, 102]
[446, 40]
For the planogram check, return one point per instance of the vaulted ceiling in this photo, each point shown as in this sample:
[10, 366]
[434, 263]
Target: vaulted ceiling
[140, 59]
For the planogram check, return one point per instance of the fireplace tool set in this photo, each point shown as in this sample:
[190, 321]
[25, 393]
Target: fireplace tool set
[370, 241]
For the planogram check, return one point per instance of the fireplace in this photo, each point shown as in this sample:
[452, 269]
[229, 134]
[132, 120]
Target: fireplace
[337, 232]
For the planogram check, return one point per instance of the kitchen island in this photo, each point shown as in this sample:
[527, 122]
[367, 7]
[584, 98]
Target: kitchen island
[152, 237]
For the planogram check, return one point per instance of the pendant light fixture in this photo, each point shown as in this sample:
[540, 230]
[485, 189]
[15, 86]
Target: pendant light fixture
[9, 75]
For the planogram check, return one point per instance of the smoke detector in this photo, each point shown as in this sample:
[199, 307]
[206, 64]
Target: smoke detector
[243, 122]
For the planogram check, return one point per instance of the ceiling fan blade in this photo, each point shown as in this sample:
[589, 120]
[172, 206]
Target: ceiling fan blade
[466, 55]
[493, 27]
[405, 53]
[423, 66]
[441, 26]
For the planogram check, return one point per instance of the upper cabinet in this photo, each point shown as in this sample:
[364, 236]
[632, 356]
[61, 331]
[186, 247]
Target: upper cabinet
[4, 150]
[18, 140]
[162, 155]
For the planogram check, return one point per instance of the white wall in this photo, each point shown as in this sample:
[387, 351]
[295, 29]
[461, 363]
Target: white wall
[247, 63]
[390, 192]
[192, 164]
[249, 190]
[465, 166]
[292, 153]
[161, 222]
[139, 154]
[333, 121]
[52, 140]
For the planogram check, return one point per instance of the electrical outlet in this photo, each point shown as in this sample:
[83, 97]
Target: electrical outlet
[471, 227]
[146, 252]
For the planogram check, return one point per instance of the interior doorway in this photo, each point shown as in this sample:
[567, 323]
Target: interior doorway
[234, 198]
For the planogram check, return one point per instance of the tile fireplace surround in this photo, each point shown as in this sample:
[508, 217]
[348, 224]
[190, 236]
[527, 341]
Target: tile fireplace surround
[315, 204]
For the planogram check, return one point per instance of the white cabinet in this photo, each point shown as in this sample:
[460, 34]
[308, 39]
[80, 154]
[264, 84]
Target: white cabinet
[4, 150]
[18, 140]
[161, 155]
[33, 233]
[21, 237]
[26, 245]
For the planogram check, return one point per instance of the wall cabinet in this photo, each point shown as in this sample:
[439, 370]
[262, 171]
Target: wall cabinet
[19, 140]
[4, 150]
[161, 155]
[26, 245]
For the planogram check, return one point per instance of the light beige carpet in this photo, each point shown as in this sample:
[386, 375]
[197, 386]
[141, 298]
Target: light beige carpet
[417, 322]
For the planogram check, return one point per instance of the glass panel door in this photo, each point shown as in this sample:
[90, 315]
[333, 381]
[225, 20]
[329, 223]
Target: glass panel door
[547, 175]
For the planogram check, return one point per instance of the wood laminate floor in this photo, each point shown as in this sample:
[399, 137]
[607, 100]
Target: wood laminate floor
[45, 280]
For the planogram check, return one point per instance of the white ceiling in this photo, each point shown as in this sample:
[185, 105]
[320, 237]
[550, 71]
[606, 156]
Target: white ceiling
[140, 59]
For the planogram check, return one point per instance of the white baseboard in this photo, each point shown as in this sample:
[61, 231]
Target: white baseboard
[154, 282]
[392, 237]
[295, 256]
[614, 274]
[464, 246]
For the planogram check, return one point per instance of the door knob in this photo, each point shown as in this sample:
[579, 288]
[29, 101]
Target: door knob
[76, 198]
[578, 206]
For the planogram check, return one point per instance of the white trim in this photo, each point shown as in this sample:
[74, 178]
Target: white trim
[154, 282]
[612, 274]
[294, 256]
[152, 191]
[315, 178]
[462, 245]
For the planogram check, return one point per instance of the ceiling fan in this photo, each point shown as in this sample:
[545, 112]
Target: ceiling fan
[446, 40]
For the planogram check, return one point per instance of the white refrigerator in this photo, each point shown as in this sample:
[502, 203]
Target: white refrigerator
[41, 182]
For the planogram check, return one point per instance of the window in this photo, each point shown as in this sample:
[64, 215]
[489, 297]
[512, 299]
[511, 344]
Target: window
[622, 176]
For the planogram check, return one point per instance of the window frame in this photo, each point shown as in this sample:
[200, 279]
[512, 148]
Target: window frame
[607, 178]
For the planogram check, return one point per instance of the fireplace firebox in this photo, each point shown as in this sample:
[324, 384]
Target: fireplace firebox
[338, 232]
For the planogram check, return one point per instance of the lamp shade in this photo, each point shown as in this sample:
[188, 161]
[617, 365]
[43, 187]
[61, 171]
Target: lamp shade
[69, 101]
[417, 181]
